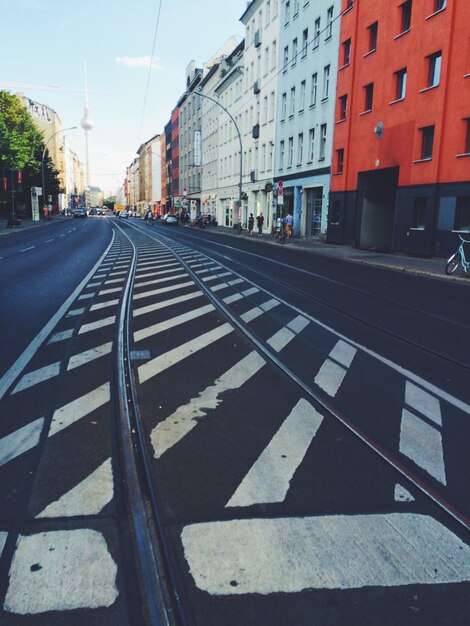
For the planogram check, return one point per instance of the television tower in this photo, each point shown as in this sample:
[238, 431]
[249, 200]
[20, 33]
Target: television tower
[87, 124]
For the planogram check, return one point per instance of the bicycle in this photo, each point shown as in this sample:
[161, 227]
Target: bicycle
[458, 258]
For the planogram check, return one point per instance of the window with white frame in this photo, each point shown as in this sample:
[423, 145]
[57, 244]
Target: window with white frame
[326, 82]
[272, 105]
[268, 12]
[316, 33]
[322, 142]
[282, 149]
[304, 43]
[287, 12]
[286, 58]
[294, 51]
[273, 55]
[302, 96]
[290, 152]
[292, 101]
[314, 89]
[283, 106]
[265, 109]
[329, 23]
[300, 149]
[311, 144]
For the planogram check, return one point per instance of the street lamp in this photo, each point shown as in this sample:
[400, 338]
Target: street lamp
[44, 197]
[203, 95]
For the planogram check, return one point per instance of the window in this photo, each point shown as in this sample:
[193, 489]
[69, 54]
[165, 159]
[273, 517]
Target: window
[287, 12]
[462, 213]
[346, 52]
[281, 155]
[311, 144]
[373, 31]
[368, 97]
[304, 42]
[400, 84]
[466, 148]
[427, 141]
[292, 101]
[273, 55]
[418, 216]
[339, 160]
[265, 109]
[439, 5]
[266, 60]
[300, 149]
[286, 58]
[316, 35]
[434, 69]
[314, 90]
[326, 82]
[294, 51]
[283, 106]
[405, 17]
[343, 107]
[329, 23]
[272, 103]
[296, 7]
[322, 142]
[302, 96]
[290, 152]
[268, 12]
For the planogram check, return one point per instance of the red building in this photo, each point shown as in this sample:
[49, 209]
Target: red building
[401, 167]
[175, 158]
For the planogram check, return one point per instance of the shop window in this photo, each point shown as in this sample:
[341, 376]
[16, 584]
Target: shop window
[418, 218]
[462, 213]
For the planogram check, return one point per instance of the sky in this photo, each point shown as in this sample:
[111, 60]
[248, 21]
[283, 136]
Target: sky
[44, 45]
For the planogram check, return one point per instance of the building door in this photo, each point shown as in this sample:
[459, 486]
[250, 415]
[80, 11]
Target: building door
[314, 211]
[228, 214]
[377, 192]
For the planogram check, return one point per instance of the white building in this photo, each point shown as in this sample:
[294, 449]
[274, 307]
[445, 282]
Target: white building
[309, 40]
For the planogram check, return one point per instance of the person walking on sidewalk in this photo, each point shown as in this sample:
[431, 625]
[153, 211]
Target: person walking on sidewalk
[251, 223]
[259, 223]
[289, 224]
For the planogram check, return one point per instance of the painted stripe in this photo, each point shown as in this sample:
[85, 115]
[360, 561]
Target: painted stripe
[424, 402]
[402, 495]
[38, 376]
[285, 335]
[105, 292]
[103, 305]
[172, 322]
[156, 366]
[422, 443]
[93, 285]
[330, 377]
[269, 478]
[161, 305]
[169, 432]
[26, 249]
[3, 536]
[290, 555]
[65, 334]
[156, 292]
[79, 408]
[112, 281]
[250, 291]
[233, 298]
[89, 355]
[75, 312]
[256, 311]
[164, 279]
[74, 571]
[87, 498]
[86, 296]
[20, 441]
[343, 353]
[107, 321]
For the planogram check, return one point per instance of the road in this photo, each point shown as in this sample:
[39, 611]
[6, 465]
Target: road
[303, 422]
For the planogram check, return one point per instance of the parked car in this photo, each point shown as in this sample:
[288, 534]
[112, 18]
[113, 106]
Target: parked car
[79, 213]
[93, 211]
[123, 214]
[170, 218]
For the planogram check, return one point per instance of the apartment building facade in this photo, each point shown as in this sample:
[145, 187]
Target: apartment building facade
[308, 61]
[401, 168]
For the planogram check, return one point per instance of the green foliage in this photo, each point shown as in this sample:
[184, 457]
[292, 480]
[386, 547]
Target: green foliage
[20, 140]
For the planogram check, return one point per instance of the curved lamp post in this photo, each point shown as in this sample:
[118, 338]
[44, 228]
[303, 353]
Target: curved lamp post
[203, 95]
[44, 197]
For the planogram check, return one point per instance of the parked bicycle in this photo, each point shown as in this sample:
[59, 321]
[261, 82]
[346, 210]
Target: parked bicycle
[458, 258]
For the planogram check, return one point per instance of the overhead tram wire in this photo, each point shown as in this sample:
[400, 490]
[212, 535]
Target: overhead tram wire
[150, 70]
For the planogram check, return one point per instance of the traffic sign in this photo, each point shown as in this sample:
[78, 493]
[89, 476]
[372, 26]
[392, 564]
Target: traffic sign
[280, 188]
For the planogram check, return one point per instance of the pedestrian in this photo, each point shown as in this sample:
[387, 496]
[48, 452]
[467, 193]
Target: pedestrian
[289, 224]
[251, 223]
[259, 223]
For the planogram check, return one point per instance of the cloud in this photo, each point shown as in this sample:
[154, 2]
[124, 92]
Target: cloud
[138, 62]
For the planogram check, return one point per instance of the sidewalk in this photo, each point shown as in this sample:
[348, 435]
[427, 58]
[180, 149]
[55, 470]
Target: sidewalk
[399, 262]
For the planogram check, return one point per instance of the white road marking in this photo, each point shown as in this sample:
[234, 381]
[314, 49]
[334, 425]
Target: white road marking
[280, 339]
[103, 305]
[75, 312]
[49, 240]
[61, 570]
[104, 292]
[65, 334]
[20, 441]
[86, 296]
[269, 478]
[424, 402]
[112, 281]
[422, 443]
[331, 374]
[161, 305]
[156, 292]
[256, 311]
[172, 322]
[169, 432]
[79, 408]
[107, 321]
[37, 376]
[402, 495]
[93, 285]
[343, 353]
[289, 555]
[87, 498]
[159, 364]
[26, 249]
[233, 298]
[157, 281]
[89, 355]
[3, 538]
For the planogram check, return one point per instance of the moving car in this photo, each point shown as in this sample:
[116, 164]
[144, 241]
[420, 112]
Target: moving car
[79, 213]
[123, 214]
[170, 218]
